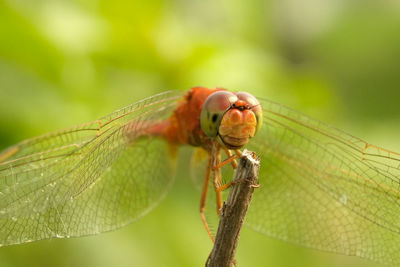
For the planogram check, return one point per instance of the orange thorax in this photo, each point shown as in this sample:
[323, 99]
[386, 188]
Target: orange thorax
[183, 127]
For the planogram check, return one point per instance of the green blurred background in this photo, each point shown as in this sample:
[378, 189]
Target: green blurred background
[67, 62]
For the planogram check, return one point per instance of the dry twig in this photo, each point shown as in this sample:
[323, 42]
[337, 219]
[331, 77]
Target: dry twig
[234, 211]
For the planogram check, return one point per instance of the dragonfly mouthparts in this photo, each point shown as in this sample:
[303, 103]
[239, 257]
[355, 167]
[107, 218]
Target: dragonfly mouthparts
[233, 142]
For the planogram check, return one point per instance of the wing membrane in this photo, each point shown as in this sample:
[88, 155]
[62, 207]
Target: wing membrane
[87, 179]
[325, 189]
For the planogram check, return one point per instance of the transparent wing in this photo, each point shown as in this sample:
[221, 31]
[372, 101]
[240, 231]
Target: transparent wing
[91, 178]
[325, 189]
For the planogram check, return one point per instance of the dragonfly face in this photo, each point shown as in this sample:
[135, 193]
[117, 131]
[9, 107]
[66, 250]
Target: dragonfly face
[232, 117]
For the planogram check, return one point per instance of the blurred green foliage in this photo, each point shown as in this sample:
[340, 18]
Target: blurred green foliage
[66, 62]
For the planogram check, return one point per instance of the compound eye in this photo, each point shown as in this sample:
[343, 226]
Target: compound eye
[248, 98]
[254, 106]
[214, 109]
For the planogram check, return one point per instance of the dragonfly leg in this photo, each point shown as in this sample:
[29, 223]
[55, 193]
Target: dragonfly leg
[238, 152]
[233, 161]
[204, 197]
[231, 158]
[217, 185]
[216, 168]
[225, 186]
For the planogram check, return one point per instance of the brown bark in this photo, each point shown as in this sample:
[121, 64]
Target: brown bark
[234, 211]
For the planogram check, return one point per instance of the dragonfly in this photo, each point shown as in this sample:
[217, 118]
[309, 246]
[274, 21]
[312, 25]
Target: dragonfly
[319, 186]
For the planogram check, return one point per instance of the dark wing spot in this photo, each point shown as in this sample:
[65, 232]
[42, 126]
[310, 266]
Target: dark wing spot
[214, 118]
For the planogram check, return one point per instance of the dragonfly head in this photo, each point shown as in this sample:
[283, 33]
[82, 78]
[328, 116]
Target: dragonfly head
[234, 118]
